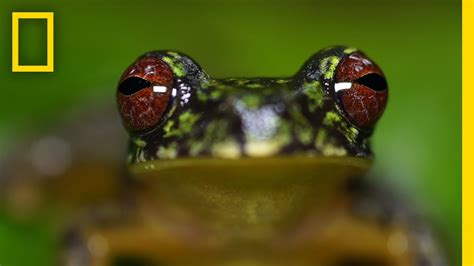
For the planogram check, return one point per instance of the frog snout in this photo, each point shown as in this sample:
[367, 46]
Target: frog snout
[259, 124]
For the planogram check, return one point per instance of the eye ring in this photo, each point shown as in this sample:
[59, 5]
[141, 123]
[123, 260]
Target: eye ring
[361, 90]
[144, 93]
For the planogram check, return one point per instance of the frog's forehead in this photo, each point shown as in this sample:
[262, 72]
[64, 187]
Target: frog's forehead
[253, 117]
[258, 90]
[323, 63]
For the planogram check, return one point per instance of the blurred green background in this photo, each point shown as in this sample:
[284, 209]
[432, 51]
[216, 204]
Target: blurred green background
[417, 44]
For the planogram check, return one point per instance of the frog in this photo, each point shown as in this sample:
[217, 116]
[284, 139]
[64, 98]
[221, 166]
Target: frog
[250, 171]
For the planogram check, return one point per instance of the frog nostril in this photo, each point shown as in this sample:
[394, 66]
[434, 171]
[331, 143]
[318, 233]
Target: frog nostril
[374, 81]
[132, 85]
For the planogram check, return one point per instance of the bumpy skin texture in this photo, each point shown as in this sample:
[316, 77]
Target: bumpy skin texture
[252, 117]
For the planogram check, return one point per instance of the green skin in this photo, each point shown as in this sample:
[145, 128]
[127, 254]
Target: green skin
[257, 117]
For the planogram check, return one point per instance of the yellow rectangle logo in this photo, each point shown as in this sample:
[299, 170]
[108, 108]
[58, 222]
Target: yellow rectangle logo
[49, 16]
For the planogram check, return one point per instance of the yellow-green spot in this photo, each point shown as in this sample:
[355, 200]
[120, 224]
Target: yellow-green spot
[241, 82]
[228, 149]
[186, 122]
[139, 142]
[178, 70]
[349, 50]
[169, 152]
[168, 126]
[195, 147]
[304, 135]
[352, 134]
[141, 155]
[315, 93]
[254, 85]
[215, 94]
[328, 66]
[260, 148]
[334, 61]
[174, 54]
[331, 118]
[252, 101]
[321, 139]
[168, 60]
[283, 81]
[332, 150]
[176, 67]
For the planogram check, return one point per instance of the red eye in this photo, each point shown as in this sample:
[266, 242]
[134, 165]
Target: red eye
[144, 93]
[361, 89]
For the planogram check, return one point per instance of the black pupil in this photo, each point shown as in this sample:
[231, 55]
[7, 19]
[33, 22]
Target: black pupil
[132, 85]
[373, 81]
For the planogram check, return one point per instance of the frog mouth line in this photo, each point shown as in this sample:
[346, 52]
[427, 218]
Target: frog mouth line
[279, 165]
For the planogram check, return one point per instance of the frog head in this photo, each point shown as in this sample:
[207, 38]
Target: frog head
[249, 151]
[173, 110]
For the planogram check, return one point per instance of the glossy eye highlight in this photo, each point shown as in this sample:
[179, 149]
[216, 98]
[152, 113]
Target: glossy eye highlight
[361, 90]
[144, 92]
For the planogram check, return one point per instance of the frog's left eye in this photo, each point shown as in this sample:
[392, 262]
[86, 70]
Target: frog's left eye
[361, 89]
[144, 93]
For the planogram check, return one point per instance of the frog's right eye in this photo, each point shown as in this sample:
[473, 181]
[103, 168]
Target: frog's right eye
[361, 89]
[144, 92]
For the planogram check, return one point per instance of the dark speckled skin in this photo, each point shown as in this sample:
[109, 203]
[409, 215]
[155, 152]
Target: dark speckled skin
[252, 117]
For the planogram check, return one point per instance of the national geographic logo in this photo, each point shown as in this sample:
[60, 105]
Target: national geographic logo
[49, 67]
